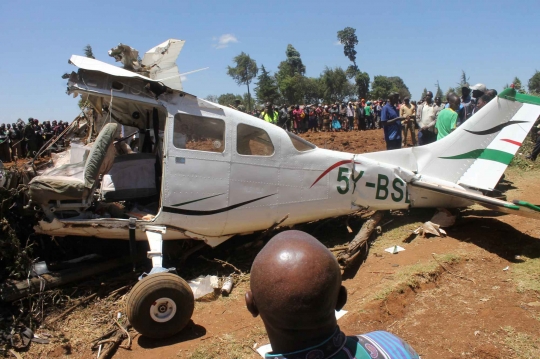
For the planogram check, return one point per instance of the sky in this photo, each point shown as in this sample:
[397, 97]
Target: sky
[421, 41]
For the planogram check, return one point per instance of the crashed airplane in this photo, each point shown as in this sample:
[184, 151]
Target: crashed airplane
[207, 172]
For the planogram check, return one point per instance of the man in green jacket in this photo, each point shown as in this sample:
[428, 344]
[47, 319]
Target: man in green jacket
[269, 114]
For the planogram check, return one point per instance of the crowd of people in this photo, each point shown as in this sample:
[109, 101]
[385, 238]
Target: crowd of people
[20, 140]
[427, 121]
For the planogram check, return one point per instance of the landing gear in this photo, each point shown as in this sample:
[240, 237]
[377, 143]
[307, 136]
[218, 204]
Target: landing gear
[160, 305]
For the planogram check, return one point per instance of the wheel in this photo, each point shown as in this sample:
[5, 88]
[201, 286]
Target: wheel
[160, 305]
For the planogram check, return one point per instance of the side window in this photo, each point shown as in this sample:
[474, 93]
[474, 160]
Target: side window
[300, 144]
[253, 141]
[199, 133]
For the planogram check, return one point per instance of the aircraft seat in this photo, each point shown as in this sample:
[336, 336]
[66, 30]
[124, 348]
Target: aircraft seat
[76, 182]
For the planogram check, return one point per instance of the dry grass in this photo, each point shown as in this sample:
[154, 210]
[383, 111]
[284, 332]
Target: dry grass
[413, 276]
[523, 345]
[229, 346]
[526, 274]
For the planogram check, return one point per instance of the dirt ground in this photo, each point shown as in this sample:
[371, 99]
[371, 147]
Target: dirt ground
[472, 294]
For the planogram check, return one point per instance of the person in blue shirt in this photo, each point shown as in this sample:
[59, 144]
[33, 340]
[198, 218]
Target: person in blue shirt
[296, 288]
[391, 123]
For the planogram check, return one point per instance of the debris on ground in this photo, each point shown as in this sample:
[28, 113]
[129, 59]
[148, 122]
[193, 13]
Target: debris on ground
[444, 218]
[394, 249]
[430, 228]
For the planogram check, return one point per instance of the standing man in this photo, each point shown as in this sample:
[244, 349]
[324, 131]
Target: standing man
[478, 91]
[467, 105]
[31, 138]
[425, 118]
[439, 106]
[5, 154]
[350, 115]
[269, 114]
[16, 137]
[369, 116]
[238, 106]
[408, 112]
[447, 119]
[360, 115]
[283, 117]
[391, 123]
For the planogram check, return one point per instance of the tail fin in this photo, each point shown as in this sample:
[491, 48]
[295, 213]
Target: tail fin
[477, 153]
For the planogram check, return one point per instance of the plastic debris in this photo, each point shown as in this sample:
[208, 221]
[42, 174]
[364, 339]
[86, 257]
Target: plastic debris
[39, 268]
[506, 268]
[431, 228]
[202, 285]
[227, 286]
[443, 218]
[394, 249]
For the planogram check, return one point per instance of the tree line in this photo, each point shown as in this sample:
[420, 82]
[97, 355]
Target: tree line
[290, 85]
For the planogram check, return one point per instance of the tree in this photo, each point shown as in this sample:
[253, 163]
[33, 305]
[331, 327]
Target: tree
[266, 90]
[228, 99]
[400, 87]
[313, 90]
[336, 86]
[244, 71]
[248, 101]
[424, 93]
[290, 76]
[382, 86]
[517, 85]
[361, 80]
[212, 98]
[438, 92]
[463, 81]
[88, 52]
[534, 83]
[295, 62]
[347, 37]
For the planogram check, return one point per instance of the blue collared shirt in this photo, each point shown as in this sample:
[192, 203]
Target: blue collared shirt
[393, 131]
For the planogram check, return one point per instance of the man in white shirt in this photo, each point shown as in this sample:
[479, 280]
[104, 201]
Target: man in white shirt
[425, 118]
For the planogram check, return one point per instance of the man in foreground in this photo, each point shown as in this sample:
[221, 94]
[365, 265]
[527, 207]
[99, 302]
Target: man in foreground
[296, 288]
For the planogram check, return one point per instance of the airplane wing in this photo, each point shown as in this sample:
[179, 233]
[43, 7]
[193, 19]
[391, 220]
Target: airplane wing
[517, 207]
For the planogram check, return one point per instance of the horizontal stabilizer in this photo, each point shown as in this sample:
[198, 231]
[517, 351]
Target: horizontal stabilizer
[519, 208]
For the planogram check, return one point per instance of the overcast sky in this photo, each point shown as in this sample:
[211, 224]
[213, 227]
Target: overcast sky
[420, 41]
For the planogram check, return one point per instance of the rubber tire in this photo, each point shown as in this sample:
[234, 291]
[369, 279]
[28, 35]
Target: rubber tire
[150, 289]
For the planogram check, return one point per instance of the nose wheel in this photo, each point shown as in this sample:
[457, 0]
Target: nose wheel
[160, 305]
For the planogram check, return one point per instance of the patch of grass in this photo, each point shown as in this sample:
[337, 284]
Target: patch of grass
[523, 345]
[415, 275]
[519, 160]
[229, 346]
[526, 274]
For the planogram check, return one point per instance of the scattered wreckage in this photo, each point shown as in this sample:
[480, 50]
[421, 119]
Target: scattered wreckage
[186, 168]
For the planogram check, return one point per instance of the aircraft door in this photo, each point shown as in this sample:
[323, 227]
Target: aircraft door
[254, 178]
[197, 167]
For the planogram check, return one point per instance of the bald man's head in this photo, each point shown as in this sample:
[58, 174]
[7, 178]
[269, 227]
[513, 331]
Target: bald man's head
[295, 284]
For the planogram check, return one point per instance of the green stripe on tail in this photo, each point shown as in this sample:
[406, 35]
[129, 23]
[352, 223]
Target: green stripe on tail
[485, 154]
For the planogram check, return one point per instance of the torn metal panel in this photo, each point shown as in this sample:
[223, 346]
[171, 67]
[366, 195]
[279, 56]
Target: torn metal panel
[160, 62]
